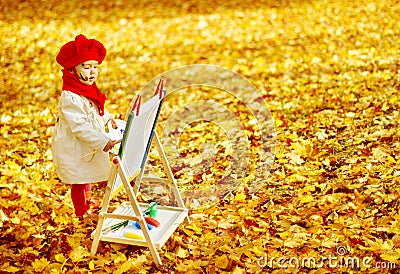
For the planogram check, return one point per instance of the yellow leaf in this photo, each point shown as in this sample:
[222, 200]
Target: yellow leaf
[25, 121]
[385, 106]
[391, 256]
[3, 216]
[329, 242]
[238, 270]
[139, 261]
[10, 268]
[16, 220]
[39, 236]
[303, 148]
[194, 227]
[13, 166]
[169, 256]
[278, 122]
[78, 254]
[124, 268]
[74, 241]
[297, 240]
[40, 264]
[222, 262]
[188, 232]
[60, 258]
[240, 197]
[258, 250]
[91, 265]
[284, 234]
[295, 159]
[225, 223]
[390, 160]
[181, 253]
[306, 198]
[379, 154]
[308, 188]
[119, 257]
[292, 243]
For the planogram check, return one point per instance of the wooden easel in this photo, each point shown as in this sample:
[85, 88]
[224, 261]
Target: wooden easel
[125, 176]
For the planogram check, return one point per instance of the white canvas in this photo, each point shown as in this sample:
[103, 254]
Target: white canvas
[137, 139]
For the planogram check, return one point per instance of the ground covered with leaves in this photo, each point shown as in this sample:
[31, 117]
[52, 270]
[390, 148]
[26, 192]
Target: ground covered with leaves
[329, 73]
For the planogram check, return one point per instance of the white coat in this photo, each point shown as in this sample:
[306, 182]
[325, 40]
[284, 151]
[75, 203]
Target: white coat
[78, 141]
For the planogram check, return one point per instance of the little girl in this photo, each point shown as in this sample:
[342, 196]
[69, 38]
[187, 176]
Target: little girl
[80, 146]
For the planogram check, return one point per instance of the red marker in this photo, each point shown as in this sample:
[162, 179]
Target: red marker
[152, 221]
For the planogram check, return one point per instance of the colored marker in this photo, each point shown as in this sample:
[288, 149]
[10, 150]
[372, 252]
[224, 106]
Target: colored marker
[152, 221]
[132, 235]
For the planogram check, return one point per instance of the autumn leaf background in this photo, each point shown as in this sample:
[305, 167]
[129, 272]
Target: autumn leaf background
[329, 73]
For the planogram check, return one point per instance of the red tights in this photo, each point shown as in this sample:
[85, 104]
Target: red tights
[78, 195]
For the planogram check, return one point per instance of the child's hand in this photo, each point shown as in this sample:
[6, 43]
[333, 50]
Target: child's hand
[111, 144]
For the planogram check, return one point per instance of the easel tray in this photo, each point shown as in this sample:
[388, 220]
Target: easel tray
[169, 218]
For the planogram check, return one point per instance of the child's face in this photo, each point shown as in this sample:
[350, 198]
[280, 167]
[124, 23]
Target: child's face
[87, 71]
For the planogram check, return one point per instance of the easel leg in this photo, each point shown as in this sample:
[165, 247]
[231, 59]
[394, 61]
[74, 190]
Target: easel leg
[104, 209]
[169, 174]
[136, 210]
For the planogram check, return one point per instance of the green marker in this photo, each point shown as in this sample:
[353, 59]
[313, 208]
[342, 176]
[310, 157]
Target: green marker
[116, 226]
[152, 210]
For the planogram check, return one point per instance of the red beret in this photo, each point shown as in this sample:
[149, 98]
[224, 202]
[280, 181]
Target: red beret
[79, 51]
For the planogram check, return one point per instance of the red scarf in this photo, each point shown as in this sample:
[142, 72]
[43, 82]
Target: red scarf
[72, 83]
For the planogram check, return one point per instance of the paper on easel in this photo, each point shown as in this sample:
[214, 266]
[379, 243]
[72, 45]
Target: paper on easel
[137, 139]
